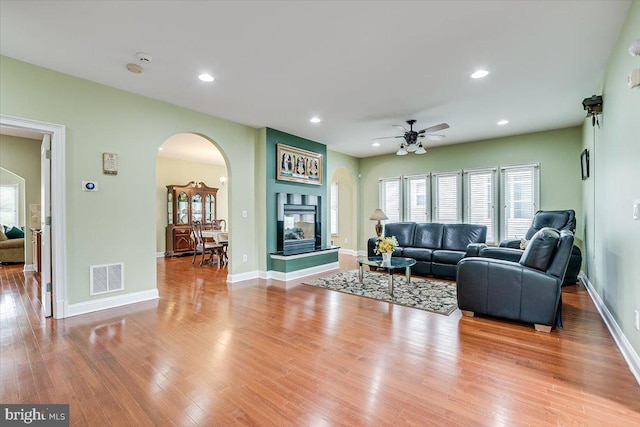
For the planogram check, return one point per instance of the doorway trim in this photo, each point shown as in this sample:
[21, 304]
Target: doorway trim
[58, 208]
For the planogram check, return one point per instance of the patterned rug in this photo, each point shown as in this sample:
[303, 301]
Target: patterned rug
[426, 294]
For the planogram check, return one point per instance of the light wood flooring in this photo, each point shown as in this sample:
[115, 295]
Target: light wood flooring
[261, 353]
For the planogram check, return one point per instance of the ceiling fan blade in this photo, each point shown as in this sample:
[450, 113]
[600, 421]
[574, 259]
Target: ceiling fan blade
[389, 137]
[435, 128]
[401, 127]
[433, 137]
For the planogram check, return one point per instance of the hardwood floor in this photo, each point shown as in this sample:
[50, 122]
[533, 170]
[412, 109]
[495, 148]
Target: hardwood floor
[262, 353]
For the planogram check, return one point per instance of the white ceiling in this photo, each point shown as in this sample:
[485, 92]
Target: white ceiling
[360, 66]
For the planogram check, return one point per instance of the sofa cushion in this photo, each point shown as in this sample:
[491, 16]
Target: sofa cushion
[12, 243]
[428, 236]
[444, 256]
[3, 236]
[14, 233]
[419, 254]
[540, 249]
[457, 236]
[403, 231]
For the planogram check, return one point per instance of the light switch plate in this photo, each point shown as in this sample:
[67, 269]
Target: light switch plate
[636, 210]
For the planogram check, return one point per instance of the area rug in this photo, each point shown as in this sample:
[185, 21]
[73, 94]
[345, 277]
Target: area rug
[425, 294]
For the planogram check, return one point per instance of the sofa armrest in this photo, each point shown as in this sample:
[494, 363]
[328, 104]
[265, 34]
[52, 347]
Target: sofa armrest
[512, 243]
[473, 249]
[371, 244]
[506, 254]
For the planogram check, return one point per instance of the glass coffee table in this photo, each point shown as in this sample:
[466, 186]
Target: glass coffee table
[396, 262]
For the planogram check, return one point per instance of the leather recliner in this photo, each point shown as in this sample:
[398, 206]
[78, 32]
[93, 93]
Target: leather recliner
[529, 290]
[509, 250]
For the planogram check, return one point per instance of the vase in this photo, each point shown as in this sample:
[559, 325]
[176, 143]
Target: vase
[386, 257]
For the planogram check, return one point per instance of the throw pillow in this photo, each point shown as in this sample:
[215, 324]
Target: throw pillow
[523, 244]
[3, 236]
[14, 233]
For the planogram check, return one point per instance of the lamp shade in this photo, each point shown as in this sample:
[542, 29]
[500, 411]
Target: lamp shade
[378, 215]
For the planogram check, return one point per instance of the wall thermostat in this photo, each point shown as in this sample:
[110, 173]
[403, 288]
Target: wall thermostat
[89, 186]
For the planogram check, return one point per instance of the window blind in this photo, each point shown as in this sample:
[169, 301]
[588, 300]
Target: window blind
[334, 208]
[417, 198]
[480, 200]
[390, 198]
[9, 204]
[520, 189]
[447, 207]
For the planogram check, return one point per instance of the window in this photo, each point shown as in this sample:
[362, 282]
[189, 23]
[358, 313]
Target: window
[520, 195]
[391, 198]
[447, 197]
[334, 208]
[9, 204]
[480, 200]
[417, 196]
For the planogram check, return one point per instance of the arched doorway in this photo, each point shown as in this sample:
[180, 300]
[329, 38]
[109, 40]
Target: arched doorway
[182, 159]
[343, 216]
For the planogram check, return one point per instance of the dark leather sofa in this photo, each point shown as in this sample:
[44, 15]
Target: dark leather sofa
[528, 291]
[437, 248]
[509, 250]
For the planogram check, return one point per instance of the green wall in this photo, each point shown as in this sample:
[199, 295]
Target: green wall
[612, 252]
[557, 151]
[21, 156]
[120, 218]
[273, 186]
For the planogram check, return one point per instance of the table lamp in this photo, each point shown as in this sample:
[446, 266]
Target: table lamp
[378, 215]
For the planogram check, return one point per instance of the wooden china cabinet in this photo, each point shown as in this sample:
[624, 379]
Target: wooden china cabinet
[185, 204]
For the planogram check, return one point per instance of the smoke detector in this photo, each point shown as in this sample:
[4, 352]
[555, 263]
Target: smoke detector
[145, 58]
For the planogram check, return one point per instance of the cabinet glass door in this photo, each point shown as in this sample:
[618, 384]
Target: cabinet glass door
[196, 207]
[170, 207]
[183, 208]
[210, 207]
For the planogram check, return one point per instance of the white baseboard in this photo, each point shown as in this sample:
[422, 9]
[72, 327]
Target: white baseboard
[29, 267]
[241, 277]
[110, 302]
[362, 253]
[629, 354]
[160, 254]
[324, 268]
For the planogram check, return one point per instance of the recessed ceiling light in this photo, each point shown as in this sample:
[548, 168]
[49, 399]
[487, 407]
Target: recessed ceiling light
[206, 77]
[376, 144]
[479, 74]
[314, 120]
[503, 122]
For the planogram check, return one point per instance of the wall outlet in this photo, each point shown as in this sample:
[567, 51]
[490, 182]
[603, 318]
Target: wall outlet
[244, 258]
[637, 319]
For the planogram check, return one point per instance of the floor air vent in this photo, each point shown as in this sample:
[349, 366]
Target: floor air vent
[107, 278]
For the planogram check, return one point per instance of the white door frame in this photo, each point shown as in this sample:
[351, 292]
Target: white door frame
[58, 205]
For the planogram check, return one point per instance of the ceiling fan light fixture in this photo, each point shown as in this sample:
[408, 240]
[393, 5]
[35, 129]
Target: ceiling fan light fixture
[402, 151]
[411, 148]
[420, 150]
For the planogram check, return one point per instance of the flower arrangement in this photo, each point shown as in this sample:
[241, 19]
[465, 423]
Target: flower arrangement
[385, 245]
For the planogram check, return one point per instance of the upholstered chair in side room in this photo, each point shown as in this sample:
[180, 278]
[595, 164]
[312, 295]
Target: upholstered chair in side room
[529, 290]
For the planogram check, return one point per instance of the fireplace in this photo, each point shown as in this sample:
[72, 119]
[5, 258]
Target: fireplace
[299, 226]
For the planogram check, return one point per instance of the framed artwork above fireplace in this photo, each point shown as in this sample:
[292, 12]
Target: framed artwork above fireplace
[298, 165]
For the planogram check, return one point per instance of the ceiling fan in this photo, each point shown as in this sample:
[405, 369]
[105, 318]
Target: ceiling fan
[412, 143]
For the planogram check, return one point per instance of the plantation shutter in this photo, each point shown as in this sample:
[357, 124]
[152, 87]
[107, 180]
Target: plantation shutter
[520, 194]
[417, 205]
[390, 198]
[447, 206]
[480, 200]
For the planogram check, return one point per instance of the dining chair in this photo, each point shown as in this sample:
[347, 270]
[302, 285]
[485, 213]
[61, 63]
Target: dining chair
[200, 246]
